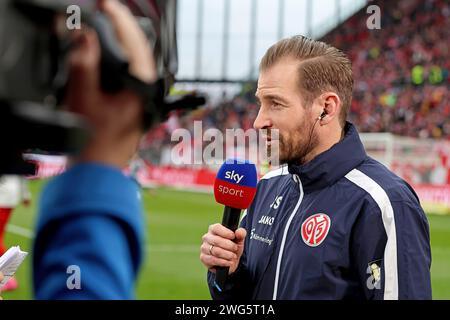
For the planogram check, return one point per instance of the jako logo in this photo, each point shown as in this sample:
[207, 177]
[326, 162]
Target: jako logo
[266, 220]
[234, 176]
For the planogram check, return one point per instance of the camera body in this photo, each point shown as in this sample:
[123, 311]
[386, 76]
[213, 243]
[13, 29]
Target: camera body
[34, 46]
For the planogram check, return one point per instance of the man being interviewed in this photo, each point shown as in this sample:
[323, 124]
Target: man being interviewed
[332, 223]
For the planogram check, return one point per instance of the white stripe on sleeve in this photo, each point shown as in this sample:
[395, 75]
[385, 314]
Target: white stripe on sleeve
[387, 214]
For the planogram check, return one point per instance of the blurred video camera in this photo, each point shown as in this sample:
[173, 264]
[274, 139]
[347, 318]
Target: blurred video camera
[34, 45]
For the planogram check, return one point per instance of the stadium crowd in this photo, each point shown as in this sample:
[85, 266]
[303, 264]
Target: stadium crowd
[401, 74]
[402, 70]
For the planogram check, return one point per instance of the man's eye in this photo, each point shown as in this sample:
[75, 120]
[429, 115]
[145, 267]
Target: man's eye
[276, 105]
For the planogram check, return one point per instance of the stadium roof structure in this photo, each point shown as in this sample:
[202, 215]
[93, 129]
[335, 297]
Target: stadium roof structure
[223, 40]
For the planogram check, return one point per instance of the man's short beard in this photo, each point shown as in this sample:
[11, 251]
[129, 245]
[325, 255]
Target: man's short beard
[299, 144]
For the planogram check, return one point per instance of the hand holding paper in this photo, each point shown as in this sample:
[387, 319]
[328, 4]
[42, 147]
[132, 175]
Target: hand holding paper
[9, 262]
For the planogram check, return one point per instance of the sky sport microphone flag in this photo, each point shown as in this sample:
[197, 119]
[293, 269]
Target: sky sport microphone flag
[235, 188]
[235, 184]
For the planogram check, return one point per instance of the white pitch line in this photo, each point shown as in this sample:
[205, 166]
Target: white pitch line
[27, 233]
[24, 232]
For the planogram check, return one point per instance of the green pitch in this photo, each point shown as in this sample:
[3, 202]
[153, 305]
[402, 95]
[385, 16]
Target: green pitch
[176, 220]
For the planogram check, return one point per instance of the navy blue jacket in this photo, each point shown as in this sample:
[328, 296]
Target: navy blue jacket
[90, 220]
[339, 227]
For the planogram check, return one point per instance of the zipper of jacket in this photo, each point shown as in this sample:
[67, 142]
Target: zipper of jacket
[283, 240]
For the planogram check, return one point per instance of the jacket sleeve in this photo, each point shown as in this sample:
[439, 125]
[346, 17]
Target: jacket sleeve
[89, 236]
[391, 251]
[237, 285]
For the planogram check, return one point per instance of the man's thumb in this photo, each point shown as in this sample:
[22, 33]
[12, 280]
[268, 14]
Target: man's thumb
[240, 233]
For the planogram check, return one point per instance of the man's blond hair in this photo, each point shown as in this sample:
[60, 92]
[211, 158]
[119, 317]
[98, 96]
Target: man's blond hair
[321, 68]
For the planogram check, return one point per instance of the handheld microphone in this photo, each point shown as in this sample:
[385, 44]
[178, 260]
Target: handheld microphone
[235, 188]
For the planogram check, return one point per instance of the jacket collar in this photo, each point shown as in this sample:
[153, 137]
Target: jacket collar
[330, 166]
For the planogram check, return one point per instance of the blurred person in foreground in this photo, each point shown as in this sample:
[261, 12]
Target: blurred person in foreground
[89, 235]
[332, 223]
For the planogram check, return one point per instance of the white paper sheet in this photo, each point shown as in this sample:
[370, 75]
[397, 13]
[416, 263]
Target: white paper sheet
[10, 261]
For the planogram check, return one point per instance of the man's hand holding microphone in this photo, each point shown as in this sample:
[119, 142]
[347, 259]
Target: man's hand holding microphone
[222, 247]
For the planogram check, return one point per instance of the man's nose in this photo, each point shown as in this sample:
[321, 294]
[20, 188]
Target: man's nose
[262, 121]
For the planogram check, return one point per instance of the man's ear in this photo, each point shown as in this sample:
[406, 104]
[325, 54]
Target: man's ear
[331, 104]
